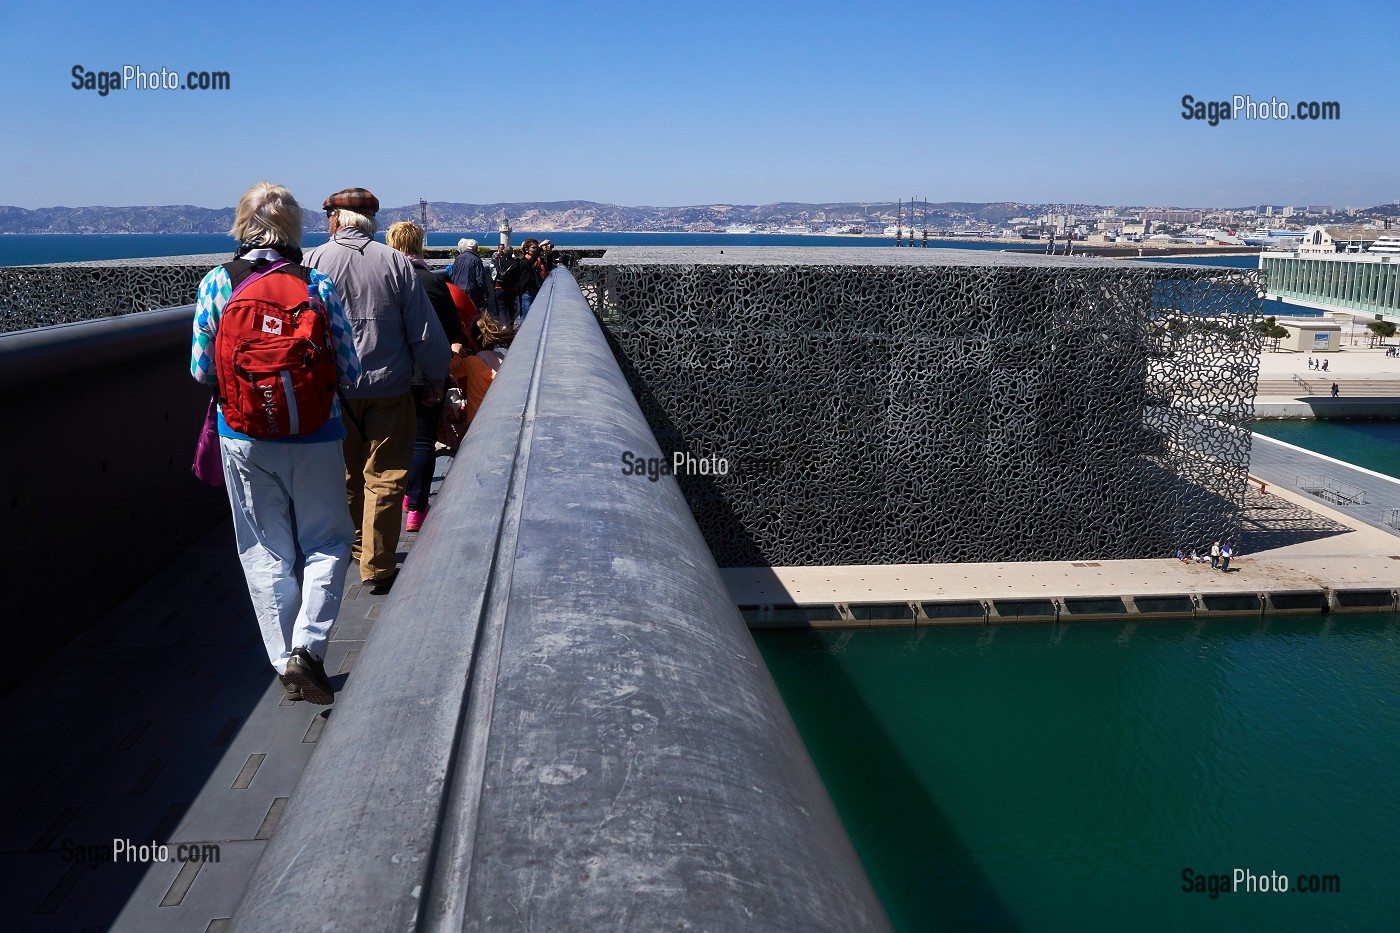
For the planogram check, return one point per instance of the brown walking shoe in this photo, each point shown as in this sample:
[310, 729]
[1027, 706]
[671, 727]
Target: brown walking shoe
[292, 691]
[306, 671]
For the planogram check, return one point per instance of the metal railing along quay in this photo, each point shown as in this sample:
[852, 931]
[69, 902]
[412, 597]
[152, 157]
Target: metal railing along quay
[1332, 490]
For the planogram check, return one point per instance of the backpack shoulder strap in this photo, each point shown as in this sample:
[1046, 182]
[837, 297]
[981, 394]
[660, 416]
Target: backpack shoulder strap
[243, 273]
[238, 270]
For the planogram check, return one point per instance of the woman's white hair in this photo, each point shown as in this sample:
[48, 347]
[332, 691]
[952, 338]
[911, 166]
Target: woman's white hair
[354, 219]
[267, 214]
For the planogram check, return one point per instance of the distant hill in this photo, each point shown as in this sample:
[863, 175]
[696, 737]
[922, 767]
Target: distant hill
[550, 216]
[181, 218]
[565, 216]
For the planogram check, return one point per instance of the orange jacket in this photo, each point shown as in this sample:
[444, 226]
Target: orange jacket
[474, 374]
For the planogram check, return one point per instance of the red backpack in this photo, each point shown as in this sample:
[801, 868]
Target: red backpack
[273, 352]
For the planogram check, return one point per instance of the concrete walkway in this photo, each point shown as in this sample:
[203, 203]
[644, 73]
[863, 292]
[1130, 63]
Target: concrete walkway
[1368, 385]
[163, 723]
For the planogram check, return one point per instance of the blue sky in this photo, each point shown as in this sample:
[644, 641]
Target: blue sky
[679, 103]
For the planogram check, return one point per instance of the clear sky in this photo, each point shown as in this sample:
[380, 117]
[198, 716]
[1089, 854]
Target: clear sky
[678, 102]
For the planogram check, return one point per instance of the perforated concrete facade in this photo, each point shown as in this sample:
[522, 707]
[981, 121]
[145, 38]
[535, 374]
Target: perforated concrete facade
[906, 406]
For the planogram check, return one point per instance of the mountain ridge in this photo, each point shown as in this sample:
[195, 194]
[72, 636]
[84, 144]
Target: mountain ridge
[552, 216]
[570, 215]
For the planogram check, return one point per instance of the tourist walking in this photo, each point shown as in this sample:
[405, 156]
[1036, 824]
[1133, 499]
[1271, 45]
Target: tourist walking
[507, 304]
[281, 451]
[395, 331]
[407, 237]
[529, 276]
[1214, 555]
[1335, 391]
[468, 273]
[1226, 552]
[472, 375]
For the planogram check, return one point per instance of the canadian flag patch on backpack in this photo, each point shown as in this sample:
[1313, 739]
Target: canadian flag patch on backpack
[272, 352]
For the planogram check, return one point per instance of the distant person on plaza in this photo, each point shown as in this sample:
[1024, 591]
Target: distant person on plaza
[269, 478]
[1214, 555]
[1226, 552]
[396, 332]
[1324, 366]
[1335, 390]
[407, 237]
[1310, 362]
[468, 273]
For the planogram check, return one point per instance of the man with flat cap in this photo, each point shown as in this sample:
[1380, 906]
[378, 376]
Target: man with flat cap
[397, 336]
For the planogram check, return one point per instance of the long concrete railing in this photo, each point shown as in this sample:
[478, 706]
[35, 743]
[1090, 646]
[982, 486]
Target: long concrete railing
[560, 720]
[98, 424]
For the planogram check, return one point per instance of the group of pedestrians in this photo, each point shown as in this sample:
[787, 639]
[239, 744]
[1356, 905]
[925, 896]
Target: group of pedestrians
[509, 287]
[1219, 556]
[329, 371]
[1318, 364]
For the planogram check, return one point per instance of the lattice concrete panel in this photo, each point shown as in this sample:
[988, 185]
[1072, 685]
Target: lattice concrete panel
[62, 293]
[38, 296]
[940, 405]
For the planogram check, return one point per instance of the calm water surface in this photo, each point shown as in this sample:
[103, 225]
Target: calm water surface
[1062, 777]
[26, 249]
[1374, 445]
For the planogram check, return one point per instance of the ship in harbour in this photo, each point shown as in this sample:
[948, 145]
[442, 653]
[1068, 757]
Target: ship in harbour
[1274, 239]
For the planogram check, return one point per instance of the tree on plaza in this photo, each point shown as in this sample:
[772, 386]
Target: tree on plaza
[1380, 330]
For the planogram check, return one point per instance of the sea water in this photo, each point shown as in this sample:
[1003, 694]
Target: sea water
[1094, 775]
[32, 249]
[1084, 776]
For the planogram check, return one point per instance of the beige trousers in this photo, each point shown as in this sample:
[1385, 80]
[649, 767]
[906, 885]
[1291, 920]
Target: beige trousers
[378, 452]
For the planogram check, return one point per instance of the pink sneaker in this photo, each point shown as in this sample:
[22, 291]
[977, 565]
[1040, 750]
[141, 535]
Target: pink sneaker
[415, 519]
[405, 504]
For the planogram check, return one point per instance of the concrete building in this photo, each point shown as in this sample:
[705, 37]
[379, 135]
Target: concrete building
[1366, 283]
[1172, 217]
[1321, 239]
[1319, 336]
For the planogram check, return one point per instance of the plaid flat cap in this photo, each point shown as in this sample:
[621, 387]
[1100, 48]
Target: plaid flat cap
[358, 200]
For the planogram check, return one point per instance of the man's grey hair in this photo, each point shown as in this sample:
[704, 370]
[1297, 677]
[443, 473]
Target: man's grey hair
[361, 221]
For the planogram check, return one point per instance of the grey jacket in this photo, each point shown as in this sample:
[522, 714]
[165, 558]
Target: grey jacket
[394, 324]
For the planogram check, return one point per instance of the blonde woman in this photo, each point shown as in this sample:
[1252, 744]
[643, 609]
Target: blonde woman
[407, 237]
[277, 471]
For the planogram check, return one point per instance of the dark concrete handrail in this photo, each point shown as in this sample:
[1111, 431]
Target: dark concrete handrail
[560, 720]
[98, 424]
[66, 351]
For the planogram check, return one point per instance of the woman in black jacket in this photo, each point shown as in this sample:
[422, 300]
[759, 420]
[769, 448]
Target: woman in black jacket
[407, 238]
